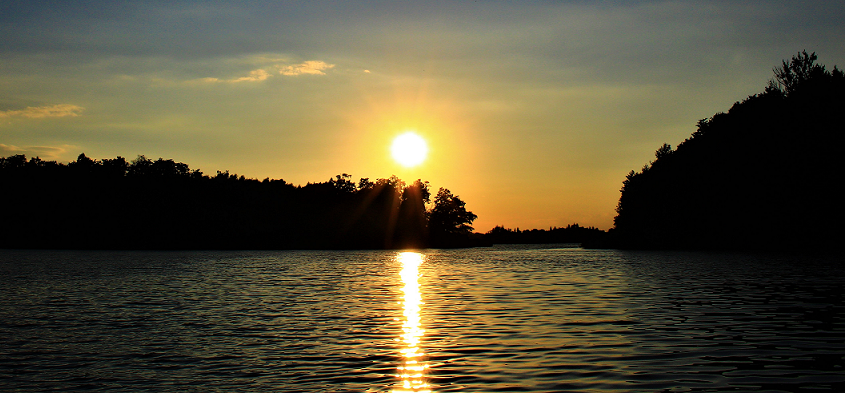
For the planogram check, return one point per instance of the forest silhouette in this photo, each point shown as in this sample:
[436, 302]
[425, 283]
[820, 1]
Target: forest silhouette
[765, 175]
[163, 204]
[573, 233]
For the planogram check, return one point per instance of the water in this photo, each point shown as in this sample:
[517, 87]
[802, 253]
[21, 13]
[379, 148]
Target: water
[478, 320]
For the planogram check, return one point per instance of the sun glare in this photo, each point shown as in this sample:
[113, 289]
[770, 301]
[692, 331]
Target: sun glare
[409, 149]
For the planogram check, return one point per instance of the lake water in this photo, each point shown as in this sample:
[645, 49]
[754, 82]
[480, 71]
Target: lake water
[505, 319]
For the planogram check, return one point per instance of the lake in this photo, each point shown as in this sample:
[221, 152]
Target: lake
[505, 318]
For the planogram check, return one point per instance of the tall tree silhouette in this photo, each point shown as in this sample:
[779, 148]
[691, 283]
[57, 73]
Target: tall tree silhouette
[450, 223]
[412, 226]
[799, 71]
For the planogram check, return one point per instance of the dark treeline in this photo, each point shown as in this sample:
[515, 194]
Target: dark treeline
[163, 204]
[765, 175]
[571, 234]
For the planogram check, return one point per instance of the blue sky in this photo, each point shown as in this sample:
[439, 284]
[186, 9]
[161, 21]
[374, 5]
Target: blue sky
[534, 111]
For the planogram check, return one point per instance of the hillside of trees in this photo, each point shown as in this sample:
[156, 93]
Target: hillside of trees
[163, 204]
[764, 175]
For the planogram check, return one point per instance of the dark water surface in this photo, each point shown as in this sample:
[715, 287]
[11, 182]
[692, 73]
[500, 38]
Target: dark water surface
[476, 320]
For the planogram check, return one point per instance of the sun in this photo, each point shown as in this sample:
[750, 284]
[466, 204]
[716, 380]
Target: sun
[409, 149]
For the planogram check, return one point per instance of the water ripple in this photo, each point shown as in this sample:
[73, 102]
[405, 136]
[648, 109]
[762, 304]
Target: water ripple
[498, 319]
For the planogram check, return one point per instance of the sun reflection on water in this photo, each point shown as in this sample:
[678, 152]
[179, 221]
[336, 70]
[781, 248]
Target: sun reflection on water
[413, 369]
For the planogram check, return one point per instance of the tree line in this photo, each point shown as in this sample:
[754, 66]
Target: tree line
[164, 204]
[573, 233]
[764, 175]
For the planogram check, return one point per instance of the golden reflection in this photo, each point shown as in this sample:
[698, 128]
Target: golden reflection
[413, 369]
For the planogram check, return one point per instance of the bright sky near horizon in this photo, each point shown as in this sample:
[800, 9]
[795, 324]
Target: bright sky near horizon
[533, 112]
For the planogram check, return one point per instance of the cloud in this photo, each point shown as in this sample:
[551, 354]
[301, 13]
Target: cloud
[48, 153]
[10, 149]
[254, 76]
[35, 112]
[310, 67]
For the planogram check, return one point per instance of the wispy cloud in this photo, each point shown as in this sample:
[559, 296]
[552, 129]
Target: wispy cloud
[60, 110]
[49, 153]
[254, 76]
[310, 67]
[10, 149]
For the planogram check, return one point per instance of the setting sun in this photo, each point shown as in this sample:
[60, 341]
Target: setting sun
[409, 149]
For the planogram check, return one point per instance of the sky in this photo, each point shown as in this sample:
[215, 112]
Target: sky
[533, 111]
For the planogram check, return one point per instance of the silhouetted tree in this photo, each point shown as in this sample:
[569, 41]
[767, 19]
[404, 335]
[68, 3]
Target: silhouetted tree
[365, 184]
[343, 183]
[15, 161]
[140, 166]
[412, 226]
[83, 164]
[663, 152]
[449, 214]
[449, 222]
[115, 167]
[800, 71]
